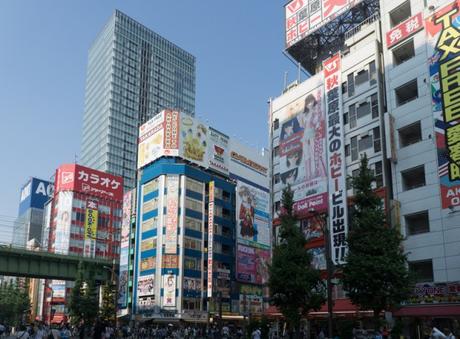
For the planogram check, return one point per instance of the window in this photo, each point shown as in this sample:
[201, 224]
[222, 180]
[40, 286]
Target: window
[423, 270]
[400, 13]
[192, 263]
[192, 303]
[377, 143]
[345, 118]
[413, 178]
[352, 115]
[193, 224]
[406, 92]
[410, 134]
[374, 106]
[194, 185]
[193, 244]
[372, 73]
[194, 205]
[354, 148]
[276, 124]
[363, 109]
[351, 84]
[404, 52]
[347, 150]
[276, 151]
[365, 143]
[417, 223]
[362, 77]
[378, 173]
[277, 178]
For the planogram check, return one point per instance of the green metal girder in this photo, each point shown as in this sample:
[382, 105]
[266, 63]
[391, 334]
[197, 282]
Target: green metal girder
[35, 264]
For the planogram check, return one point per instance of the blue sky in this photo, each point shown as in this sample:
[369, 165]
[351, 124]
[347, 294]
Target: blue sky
[238, 46]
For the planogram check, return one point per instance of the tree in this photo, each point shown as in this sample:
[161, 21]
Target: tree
[108, 307]
[295, 287]
[375, 274]
[84, 304]
[14, 303]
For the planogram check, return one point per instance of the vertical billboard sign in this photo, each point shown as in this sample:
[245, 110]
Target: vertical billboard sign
[90, 227]
[171, 133]
[252, 215]
[218, 151]
[302, 152]
[210, 236]
[124, 251]
[338, 214]
[64, 215]
[169, 290]
[172, 209]
[145, 292]
[443, 34]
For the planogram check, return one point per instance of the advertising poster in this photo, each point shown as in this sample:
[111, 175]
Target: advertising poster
[58, 287]
[64, 216]
[303, 17]
[338, 210]
[318, 255]
[146, 292]
[251, 299]
[169, 290]
[192, 284]
[148, 224]
[210, 238]
[218, 151]
[311, 228]
[434, 293]
[171, 216]
[170, 261]
[302, 147]
[148, 244]
[253, 215]
[443, 30]
[147, 264]
[90, 227]
[193, 140]
[150, 143]
[252, 264]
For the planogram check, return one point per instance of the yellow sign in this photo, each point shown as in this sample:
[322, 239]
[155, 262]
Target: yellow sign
[91, 224]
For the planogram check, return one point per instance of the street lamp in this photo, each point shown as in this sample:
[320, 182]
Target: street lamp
[322, 217]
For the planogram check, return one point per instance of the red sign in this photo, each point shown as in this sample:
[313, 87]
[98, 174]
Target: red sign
[171, 133]
[73, 177]
[404, 30]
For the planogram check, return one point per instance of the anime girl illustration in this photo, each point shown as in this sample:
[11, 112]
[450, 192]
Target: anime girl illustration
[314, 133]
[246, 215]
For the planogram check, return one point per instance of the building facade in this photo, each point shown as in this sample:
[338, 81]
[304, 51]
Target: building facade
[132, 74]
[29, 224]
[202, 235]
[382, 83]
[85, 220]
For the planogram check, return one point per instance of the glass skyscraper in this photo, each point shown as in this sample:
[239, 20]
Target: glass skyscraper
[132, 74]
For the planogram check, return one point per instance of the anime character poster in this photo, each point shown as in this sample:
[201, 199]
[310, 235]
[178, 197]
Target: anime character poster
[252, 215]
[252, 264]
[303, 151]
[443, 29]
[193, 140]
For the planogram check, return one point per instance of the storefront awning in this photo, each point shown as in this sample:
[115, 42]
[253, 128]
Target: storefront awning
[428, 310]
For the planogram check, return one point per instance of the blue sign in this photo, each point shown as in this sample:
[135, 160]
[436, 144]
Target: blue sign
[35, 193]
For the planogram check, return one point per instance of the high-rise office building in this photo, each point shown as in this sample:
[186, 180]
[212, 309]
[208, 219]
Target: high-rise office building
[132, 74]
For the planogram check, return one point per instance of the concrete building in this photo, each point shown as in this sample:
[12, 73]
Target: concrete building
[202, 235]
[384, 71]
[132, 74]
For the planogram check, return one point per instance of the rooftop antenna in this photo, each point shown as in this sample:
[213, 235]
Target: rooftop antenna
[75, 158]
[285, 80]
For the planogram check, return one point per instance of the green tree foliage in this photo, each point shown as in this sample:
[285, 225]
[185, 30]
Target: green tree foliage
[295, 287]
[108, 308]
[84, 303]
[375, 275]
[14, 303]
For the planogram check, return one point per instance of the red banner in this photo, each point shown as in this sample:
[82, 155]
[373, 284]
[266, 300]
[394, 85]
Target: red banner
[404, 30]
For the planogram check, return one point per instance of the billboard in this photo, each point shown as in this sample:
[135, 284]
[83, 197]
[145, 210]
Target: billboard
[90, 227]
[73, 177]
[171, 133]
[172, 209]
[318, 258]
[303, 17]
[404, 30]
[35, 193]
[210, 238]
[251, 299]
[338, 213]
[193, 140]
[58, 289]
[302, 150]
[64, 216]
[252, 215]
[443, 31]
[248, 163]
[252, 264]
[146, 292]
[169, 290]
[218, 151]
